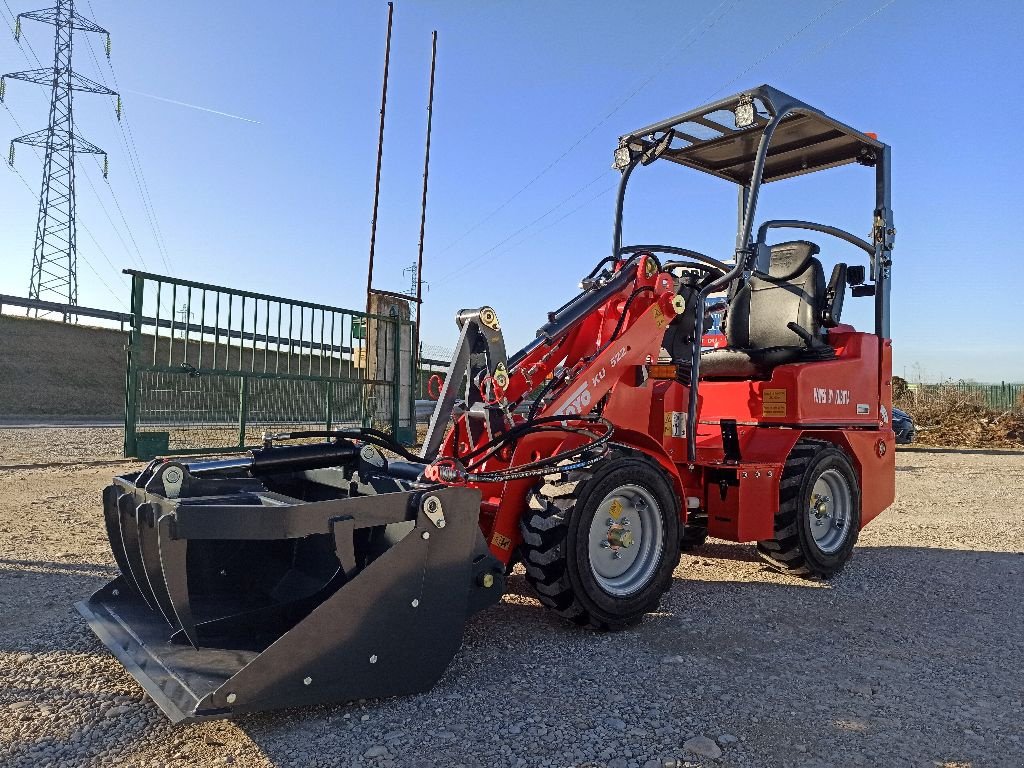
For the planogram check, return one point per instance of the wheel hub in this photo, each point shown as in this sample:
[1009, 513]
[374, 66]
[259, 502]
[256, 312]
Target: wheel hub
[619, 536]
[625, 540]
[829, 510]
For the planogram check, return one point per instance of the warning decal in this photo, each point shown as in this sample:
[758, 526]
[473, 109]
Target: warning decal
[773, 402]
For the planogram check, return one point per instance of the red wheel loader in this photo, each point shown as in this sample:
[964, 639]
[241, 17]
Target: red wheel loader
[346, 568]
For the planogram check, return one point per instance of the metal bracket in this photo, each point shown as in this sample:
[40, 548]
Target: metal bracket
[434, 511]
[730, 441]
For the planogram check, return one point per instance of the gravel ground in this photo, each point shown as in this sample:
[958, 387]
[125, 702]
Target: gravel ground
[913, 656]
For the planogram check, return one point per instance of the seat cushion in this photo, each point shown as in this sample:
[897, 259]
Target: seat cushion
[735, 363]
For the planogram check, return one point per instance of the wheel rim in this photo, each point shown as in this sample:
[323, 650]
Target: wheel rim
[829, 510]
[626, 539]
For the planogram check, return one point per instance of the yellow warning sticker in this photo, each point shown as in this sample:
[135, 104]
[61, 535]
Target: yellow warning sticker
[773, 402]
[659, 316]
[501, 542]
[616, 509]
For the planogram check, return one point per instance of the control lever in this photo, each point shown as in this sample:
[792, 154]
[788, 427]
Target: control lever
[816, 348]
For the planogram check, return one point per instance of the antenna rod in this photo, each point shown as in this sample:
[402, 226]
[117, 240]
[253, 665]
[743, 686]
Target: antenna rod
[423, 203]
[380, 157]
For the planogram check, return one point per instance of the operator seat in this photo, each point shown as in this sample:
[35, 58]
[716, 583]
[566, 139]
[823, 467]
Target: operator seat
[756, 323]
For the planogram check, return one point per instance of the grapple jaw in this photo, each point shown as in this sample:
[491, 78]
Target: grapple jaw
[288, 589]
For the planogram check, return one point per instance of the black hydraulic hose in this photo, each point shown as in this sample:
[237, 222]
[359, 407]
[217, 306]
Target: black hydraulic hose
[596, 440]
[525, 427]
[366, 434]
[548, 386]
[543, 466]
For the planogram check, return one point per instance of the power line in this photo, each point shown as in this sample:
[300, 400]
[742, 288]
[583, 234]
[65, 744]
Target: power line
[762, 59]
[462, 267]
[85, 170]
[665, 63]
[135, 163]
[55, 253]
[88, 232]
[781, 45]
[557, 221]
[829, 43]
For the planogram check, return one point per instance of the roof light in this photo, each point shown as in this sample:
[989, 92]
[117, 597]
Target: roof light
[744, 112]
[623, 157]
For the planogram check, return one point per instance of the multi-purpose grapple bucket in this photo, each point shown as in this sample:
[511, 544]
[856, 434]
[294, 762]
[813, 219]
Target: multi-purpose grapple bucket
[297, 575]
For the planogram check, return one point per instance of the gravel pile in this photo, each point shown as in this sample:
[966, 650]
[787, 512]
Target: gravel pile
[912, 657]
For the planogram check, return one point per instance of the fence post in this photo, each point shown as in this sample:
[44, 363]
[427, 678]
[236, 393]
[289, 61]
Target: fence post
[396, 379]
[131, 375]
[330, 405]
[243, 404]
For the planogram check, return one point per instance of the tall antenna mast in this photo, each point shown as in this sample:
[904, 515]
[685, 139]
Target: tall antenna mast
[423, 202]
[380, 157]
[55, 255]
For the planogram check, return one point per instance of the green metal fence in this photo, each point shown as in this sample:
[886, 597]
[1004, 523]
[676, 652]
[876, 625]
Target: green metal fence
[998, 397]
[209, 368]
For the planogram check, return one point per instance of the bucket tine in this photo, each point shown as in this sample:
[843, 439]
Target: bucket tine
[129, 535]
[113, 525]
[149, 549]
[173, 565]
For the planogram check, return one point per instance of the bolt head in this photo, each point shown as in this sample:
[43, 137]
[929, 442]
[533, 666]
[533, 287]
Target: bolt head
[426, 534]
[373, 659]
[116, 592]
[488, 580]
[231, 698]
[307, 680]
[440, 523]
[415, 603]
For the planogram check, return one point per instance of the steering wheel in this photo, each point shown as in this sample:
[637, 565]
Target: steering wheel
[696, 260]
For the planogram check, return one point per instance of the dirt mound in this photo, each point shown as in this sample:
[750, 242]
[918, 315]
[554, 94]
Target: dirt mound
[51, 368]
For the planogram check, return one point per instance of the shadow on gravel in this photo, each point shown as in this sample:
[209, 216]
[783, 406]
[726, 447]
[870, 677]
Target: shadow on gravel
[892, 661]
[873, 654]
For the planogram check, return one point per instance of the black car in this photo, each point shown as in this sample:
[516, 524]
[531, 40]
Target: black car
[903, 426]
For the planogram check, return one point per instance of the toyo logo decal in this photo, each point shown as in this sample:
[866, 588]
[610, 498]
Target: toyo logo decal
[579, 401]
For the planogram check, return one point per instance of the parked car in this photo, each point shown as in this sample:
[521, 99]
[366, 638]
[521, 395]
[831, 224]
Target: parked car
[903, 426]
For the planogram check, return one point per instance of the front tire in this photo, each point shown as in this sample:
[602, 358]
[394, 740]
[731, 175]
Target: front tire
[600, 545]
[818, 520]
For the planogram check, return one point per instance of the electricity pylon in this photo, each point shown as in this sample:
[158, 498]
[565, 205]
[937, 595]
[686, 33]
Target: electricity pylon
[55, 256]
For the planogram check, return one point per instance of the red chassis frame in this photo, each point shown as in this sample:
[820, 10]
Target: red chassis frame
[845, 401]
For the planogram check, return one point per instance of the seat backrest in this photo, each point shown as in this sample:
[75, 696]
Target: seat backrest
[793, 291]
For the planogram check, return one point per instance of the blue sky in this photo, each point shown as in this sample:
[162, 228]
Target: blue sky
[530, 99]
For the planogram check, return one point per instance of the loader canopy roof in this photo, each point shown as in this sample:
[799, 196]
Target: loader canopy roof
[709, 140]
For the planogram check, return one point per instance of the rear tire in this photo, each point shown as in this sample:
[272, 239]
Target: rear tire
[569, 563]
[818, 520]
